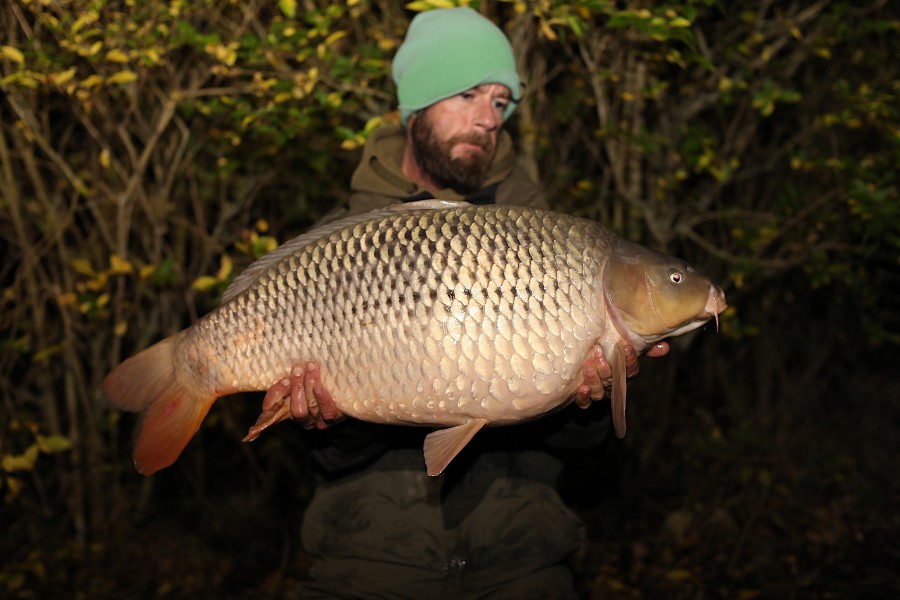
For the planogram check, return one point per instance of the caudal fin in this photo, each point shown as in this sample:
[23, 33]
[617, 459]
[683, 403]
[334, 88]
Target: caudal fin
[173, 411]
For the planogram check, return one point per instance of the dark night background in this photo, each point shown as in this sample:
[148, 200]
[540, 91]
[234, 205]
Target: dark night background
[150, 150]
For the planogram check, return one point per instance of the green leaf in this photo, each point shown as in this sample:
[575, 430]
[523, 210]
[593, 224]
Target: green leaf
[50, 444]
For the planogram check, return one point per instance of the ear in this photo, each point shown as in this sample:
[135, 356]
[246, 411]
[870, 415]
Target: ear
[409, 123]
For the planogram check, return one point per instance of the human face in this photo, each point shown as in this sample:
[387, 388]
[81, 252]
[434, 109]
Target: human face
[454, 141]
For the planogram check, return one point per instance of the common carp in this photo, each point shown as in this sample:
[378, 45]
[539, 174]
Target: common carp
[430, 313]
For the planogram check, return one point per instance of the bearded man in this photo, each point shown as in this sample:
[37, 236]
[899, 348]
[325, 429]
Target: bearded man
[493, 524]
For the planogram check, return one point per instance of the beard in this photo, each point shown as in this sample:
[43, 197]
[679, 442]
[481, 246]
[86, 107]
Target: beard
[460, 174]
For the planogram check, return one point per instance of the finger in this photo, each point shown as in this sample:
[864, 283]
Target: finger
[596, 369]
[583, 396]
[631, 361]
[322, 397]
[597, 372]
[300, 409]
[658, 349]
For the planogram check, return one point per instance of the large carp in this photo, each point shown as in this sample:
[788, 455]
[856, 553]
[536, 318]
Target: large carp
[429, 313]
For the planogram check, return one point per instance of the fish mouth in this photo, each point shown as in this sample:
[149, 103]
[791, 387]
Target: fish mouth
[716, 304]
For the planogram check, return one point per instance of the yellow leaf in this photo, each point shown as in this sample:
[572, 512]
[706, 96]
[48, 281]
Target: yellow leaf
[120, 329]
[92, 81]
[547, 31]
[423, 5]
[119, 265]
[97, 283]
[94, 49]
[67, 299]
[22, 78]
[15, 488]
[104, 158]
[13, 54]
[117, 56]
[147, 271]
[22, 462]
[335, 37]
[152, 55]
[225, 266]
[63, 77]
[372, 124]
[82, 266]
[680, 22]
[288, 7]
[121, 77]
[84, 19]
[204, 283]
[46, 353]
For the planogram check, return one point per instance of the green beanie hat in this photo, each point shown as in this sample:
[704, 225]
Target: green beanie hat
[448, 51]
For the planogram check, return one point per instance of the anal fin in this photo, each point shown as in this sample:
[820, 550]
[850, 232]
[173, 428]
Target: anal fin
[442, 445]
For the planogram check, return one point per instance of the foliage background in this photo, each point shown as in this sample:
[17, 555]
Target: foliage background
[149, 149]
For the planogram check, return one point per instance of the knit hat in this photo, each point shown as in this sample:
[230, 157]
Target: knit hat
[448, 51]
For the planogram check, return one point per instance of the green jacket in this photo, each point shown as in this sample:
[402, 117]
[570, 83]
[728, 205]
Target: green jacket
[379, 181]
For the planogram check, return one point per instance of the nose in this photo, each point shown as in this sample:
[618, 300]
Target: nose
[488, 115]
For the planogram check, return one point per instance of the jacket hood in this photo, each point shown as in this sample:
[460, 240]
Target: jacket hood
[379, 171]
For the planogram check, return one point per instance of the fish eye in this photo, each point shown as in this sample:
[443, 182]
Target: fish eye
[676, 277]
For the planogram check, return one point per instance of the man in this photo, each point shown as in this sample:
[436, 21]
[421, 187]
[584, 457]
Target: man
[492, 525]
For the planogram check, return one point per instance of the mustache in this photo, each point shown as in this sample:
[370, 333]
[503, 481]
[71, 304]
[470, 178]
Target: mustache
[483, 140]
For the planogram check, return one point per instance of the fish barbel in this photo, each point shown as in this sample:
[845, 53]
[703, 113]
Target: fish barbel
[430, 313]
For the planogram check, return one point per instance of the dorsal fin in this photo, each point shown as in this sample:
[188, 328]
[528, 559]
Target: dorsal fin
[431, 204]
[256, 268]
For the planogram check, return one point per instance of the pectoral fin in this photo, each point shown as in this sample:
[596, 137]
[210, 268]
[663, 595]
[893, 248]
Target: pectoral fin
[442, 445]
[616, 361]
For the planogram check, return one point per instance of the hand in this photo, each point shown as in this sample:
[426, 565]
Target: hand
[598, 375]
[302, 397]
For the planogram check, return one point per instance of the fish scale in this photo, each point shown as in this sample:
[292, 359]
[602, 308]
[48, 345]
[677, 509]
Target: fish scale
[432, 313]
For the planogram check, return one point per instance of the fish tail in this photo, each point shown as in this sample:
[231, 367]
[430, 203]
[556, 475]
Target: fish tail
[172, 411]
